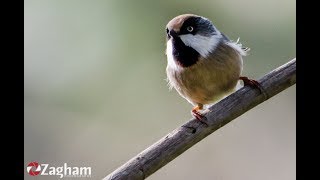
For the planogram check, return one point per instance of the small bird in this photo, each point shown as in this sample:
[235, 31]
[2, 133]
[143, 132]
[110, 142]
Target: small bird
[203, 65]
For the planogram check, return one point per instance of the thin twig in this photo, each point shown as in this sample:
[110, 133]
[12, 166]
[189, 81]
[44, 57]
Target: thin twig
[187, 135]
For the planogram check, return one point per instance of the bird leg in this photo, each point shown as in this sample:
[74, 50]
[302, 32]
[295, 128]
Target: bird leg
[251, 82]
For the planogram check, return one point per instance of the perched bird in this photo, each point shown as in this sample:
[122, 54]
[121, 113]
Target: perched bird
[203, 64]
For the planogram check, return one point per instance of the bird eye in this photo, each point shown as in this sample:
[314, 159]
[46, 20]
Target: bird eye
[190, 28]
[167, 30]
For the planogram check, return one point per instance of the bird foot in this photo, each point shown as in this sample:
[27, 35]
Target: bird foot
[200, 117]
[253, 83]
[197, 114]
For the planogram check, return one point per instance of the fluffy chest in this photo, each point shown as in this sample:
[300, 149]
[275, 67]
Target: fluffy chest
[207, 79]
[200, 83]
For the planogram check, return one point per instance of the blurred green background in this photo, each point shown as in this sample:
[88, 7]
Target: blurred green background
[96, 95]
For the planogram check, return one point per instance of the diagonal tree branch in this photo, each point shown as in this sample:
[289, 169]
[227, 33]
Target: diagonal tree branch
[187, 135]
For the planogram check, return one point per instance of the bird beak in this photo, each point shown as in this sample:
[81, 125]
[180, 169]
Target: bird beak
[173, 34]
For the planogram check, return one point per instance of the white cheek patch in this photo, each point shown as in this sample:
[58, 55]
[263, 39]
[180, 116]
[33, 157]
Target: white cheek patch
[202, 44]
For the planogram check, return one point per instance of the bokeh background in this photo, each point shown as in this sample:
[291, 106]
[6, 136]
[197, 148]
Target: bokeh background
[96, 95]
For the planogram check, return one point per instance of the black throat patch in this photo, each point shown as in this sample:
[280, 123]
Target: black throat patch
[184, 55]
